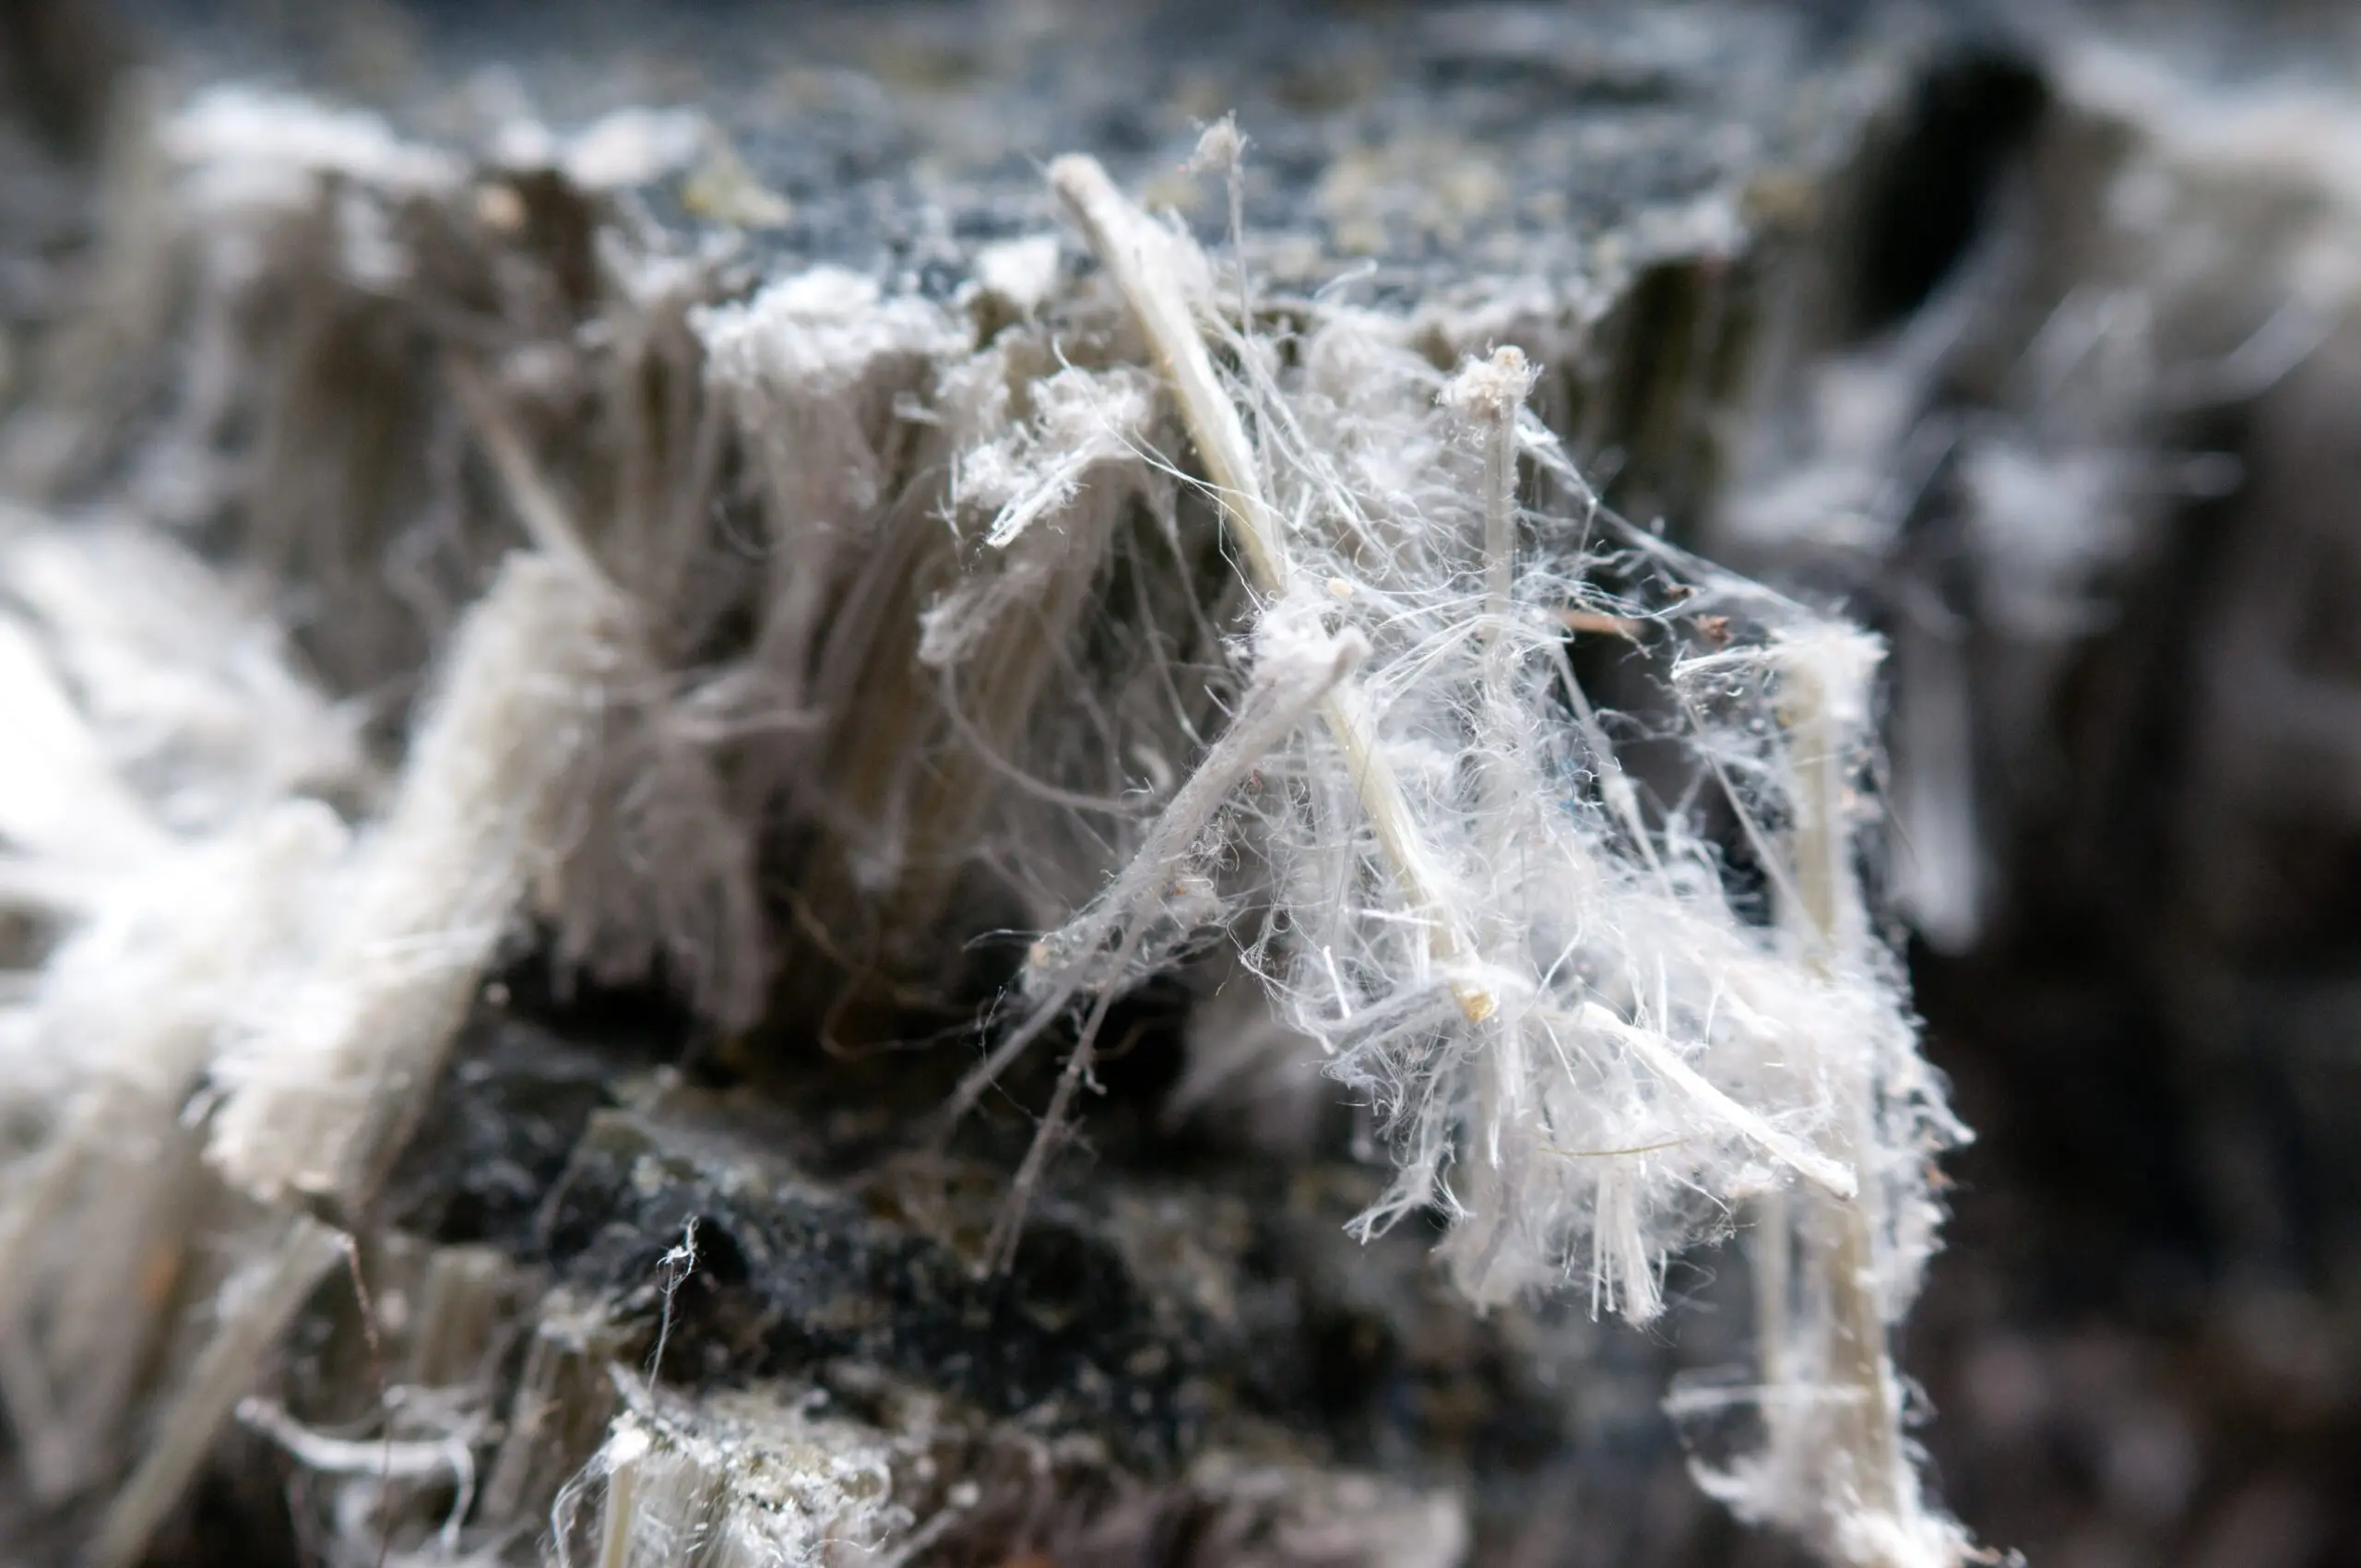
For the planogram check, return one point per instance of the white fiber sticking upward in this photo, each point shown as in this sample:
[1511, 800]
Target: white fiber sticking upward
[136, 1000]
[322, 1091]
[1593, 1046]
[155, 837]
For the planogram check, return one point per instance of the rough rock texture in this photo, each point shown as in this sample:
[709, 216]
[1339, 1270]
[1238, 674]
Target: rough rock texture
[2032, 350]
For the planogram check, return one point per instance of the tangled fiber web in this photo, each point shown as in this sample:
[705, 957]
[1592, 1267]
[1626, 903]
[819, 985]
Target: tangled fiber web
[1589, 1046]
[1233, 622]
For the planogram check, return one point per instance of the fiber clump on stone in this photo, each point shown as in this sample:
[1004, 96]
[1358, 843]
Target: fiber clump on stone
[1106, 614]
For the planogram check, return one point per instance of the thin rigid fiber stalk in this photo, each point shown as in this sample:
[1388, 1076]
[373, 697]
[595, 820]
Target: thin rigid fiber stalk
[1488, 395]
[326, 1094]
[1135, 253]
[1870, 1501]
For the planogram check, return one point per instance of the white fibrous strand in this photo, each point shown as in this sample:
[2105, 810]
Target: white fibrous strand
[1166, 897]
[653, 873]
[813, 368]
[137, 999]
[1591, 1047]
[156, 832]
[1087, 432]
[548, 773]
[322, 1091]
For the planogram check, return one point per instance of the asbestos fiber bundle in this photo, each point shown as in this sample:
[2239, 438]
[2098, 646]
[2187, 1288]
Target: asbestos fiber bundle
[626, 720]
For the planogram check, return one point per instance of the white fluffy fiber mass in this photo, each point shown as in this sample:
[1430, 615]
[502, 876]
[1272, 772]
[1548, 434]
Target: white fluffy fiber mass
[1605, 1011]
